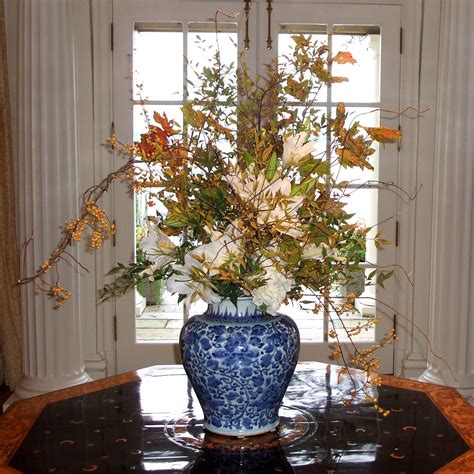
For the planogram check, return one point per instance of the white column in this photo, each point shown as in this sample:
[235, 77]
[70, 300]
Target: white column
[47, 191]
[452, 272]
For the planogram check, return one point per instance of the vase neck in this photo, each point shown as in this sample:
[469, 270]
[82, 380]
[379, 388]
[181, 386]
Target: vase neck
[245, 309]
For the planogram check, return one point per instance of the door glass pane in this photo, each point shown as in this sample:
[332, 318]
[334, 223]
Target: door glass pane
[158, 61]
[364, 43]
[202, 46]
[367, 117]
[309, 322]
[286, 47]
[363, 203]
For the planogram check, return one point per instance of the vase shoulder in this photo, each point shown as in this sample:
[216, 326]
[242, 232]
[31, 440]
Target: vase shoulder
[213, 319]
[243, 308]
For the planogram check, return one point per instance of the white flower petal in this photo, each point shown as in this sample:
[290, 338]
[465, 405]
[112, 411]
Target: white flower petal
[294, 149]
[273, 293]
[157, 246]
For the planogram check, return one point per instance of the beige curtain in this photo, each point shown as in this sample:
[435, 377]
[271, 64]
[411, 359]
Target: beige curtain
[10, 322]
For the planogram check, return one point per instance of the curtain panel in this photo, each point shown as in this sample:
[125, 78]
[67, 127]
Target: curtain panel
[10, 319]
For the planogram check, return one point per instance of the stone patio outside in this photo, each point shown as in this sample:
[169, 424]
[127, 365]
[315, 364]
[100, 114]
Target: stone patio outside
[164, 322]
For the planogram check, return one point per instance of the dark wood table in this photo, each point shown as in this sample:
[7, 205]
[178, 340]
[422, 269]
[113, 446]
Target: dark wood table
[150, 421]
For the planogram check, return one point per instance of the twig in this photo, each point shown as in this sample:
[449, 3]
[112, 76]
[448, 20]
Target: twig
[413, 324]
[405, 271]
[77, 261]
[66, 241]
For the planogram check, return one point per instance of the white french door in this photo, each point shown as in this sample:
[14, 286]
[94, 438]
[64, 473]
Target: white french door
[157, 47]
[152, 38]
[371, 34]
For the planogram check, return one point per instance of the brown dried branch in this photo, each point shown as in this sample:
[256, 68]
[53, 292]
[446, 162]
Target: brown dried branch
[405, 271]
[423, 333]
[93, 193]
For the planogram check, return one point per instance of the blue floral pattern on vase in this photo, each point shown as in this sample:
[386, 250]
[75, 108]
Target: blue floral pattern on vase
[240, 362]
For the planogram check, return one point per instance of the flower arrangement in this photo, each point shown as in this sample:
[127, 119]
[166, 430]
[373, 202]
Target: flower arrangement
[251, 208]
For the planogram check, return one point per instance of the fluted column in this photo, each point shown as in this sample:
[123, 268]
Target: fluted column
[452, 273]
[47, 190]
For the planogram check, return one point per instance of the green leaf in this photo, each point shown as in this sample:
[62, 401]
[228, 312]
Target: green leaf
[303, 187]
[176, 222]
[188, 116]
[214, 198]
[248, 158]
[371, 275]
[324, 168]
[272, 167]
[308, 166]
[295, 190]
[307, 185]
[382, 276]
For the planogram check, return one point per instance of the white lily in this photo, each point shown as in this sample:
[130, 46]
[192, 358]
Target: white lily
[220, 250]
[157, 247]
[279, 207]
[184, 282]
[248, 186]
[272, 200]
[295, 148]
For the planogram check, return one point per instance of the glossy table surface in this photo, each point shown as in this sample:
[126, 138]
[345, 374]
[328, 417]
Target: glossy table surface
[150, 421]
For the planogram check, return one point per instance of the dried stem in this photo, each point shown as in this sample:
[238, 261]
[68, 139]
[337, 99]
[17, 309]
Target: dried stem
[423, 333]
[95, 193]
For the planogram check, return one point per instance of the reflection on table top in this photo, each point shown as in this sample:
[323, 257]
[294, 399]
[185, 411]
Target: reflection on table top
[150, 421]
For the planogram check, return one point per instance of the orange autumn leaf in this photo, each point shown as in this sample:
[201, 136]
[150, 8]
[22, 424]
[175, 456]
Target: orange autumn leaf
[348, 157]
[340, 111]
[344, 57]
[338, 122]
[227, 132]
[299, 90]
[381, 134]
[155, 140]
[164, 123]
[178, 155]
[151, 142]
[338, 79]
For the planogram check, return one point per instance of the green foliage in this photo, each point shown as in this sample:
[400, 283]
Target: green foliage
[127, 277]
[151, 290]
[253, 204]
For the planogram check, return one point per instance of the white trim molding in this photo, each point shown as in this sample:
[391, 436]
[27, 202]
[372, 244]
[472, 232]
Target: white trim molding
[419, 89]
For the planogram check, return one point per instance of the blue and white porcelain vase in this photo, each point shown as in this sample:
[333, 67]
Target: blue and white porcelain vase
[240, 362]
